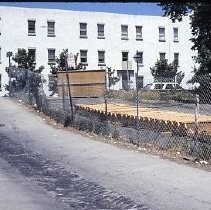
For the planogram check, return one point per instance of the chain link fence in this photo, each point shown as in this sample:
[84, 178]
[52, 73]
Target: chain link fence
[175, 123]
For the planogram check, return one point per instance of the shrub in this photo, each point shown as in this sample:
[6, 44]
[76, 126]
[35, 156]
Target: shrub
[115, 134]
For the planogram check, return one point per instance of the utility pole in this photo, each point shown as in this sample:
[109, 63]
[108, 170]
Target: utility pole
[68, 83]
[105, 99]
[9, 54]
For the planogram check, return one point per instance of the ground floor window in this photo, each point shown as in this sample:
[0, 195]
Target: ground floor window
[83, 56]
[51, 56]
[32, 53]
[101, 57]
[0, 82]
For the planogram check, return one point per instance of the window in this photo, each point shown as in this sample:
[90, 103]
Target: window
[0, 82]
[169, 86]
[51, 56]
[32, 53]
[139, 33]
[83, 30]
[176, 58]
[124, 29]
[100, 31]
[161, 34]
[141, 57]
[0, 25]
[83, 56]
[31, 27]
[124, 56]
[101, 58]
[159, 86]
[51, 28]
[162, 56]
[176, 38]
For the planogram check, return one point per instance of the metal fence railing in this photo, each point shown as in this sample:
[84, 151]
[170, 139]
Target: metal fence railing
[174, 123]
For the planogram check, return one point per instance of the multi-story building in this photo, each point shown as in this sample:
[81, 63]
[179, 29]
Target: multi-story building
[101, 39]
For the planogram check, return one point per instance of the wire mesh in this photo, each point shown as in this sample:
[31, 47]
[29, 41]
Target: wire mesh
[171, 122]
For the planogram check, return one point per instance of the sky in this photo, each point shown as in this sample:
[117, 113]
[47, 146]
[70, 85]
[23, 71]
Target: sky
[123, 8]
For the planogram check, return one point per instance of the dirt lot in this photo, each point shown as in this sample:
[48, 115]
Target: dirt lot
[155, 113]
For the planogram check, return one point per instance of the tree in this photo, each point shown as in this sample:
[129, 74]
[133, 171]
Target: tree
[59, 64]
[162, 71]
[25, 76]
[200, 21]
[111, 79]
[24, 59]
[179, 77]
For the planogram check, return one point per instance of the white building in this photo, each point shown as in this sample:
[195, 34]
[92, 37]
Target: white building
[101, 39]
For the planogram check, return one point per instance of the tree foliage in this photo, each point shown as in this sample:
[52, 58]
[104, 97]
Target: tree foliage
[61, 63]
[164, 71]
[112, 80]
[26, 61]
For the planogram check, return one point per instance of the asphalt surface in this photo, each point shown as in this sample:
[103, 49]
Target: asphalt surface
[87, 174]
[19, 193]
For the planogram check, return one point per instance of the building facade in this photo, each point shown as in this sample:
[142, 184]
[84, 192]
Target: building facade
[101, 39]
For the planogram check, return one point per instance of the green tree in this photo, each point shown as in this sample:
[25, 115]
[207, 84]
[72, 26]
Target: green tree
[162, 71]
[112, 80]
[26, 61]
[59, 64]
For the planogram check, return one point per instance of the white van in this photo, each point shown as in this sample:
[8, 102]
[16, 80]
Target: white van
[163, 86]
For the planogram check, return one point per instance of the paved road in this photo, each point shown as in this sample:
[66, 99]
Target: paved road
[19, 194]
[129, 177]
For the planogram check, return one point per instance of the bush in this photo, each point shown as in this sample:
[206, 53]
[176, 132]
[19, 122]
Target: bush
[204, 151]
[150, 95]
[181, 96]
[115, 134]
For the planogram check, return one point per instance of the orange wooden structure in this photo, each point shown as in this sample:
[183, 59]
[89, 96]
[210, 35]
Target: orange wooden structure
[83, 83]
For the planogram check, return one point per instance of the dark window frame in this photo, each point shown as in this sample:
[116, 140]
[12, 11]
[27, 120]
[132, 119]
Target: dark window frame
[124, 35]
[162, 36]
[164, 57]
[176, 55]
[31, 27]
[51, 30]
[83, 30]
[176, 38]
[51, 61]
[139, 35]
[101, 31]
[85, 57]
[101, 62]
[124, 57]
[32, 50]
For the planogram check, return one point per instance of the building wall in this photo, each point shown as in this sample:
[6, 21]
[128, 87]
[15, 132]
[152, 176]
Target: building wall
[14, 35]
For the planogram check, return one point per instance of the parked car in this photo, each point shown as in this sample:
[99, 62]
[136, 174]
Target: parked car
[163, 86]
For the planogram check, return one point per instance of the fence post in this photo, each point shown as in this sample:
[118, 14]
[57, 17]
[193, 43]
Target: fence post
[106, 102]
[193, 149]
[63, 96]
[197, 117]
[70, 96]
